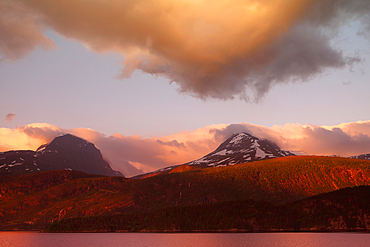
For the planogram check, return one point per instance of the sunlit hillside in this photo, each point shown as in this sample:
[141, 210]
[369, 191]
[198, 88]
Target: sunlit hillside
[342, 210]
[35, 200]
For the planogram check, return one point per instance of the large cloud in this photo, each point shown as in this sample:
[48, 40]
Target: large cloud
[133, 155]
[212, 49]
[21, 31]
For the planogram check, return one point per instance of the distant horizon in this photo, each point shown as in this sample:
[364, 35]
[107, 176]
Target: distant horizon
[133, 155]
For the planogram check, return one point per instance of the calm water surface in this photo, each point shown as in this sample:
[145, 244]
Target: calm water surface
[31, 239]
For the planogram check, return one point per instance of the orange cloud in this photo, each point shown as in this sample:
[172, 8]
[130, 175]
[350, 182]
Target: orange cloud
[211, 49]
[21, 31]
[16, 139]
[346, 139]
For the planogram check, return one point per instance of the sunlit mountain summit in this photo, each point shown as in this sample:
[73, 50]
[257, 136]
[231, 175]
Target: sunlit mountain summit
[238, 148]
[241, 148]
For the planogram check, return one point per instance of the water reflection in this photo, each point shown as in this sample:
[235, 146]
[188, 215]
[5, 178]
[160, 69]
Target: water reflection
[34, 239]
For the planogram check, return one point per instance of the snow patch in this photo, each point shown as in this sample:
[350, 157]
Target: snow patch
[238, 139]
[260, 153]
[16, 164]
[222, 160]
[199, 161]
[164, 169]
[255, 144]
[41, 149]
[224, 152]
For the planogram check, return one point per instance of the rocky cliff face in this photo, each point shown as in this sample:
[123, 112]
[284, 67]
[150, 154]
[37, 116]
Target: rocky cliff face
[64, 152]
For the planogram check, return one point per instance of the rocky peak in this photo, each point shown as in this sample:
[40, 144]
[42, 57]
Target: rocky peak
[241, 148]
[238, 148]
[362, 157]
[64, 152]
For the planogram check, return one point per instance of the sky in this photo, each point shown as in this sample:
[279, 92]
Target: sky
[162, 82]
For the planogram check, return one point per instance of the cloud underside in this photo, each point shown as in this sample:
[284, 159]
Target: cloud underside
[211, 49]
[133, 155]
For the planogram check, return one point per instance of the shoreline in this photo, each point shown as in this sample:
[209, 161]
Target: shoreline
[201, 231]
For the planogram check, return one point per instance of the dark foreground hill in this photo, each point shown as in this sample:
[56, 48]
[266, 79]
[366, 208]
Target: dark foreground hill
[64, 152]
[342, 210]
[35, 200]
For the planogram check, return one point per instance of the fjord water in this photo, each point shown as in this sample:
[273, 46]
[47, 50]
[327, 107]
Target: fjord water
[31, 239]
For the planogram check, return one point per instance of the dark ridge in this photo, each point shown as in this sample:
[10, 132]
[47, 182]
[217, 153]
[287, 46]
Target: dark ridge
[64, 152]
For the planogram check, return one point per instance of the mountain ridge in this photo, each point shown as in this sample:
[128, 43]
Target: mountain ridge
[239, 148]
[361, 156]
[63, 152]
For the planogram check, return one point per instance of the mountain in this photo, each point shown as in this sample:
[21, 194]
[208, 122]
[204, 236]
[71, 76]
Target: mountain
[64, 152]
[32, 201]
[362, 157]
[239, 148]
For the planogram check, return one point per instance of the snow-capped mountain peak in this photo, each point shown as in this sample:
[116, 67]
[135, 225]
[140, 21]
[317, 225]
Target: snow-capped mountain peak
[238, 148]
[239, 137]
[241, 148]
